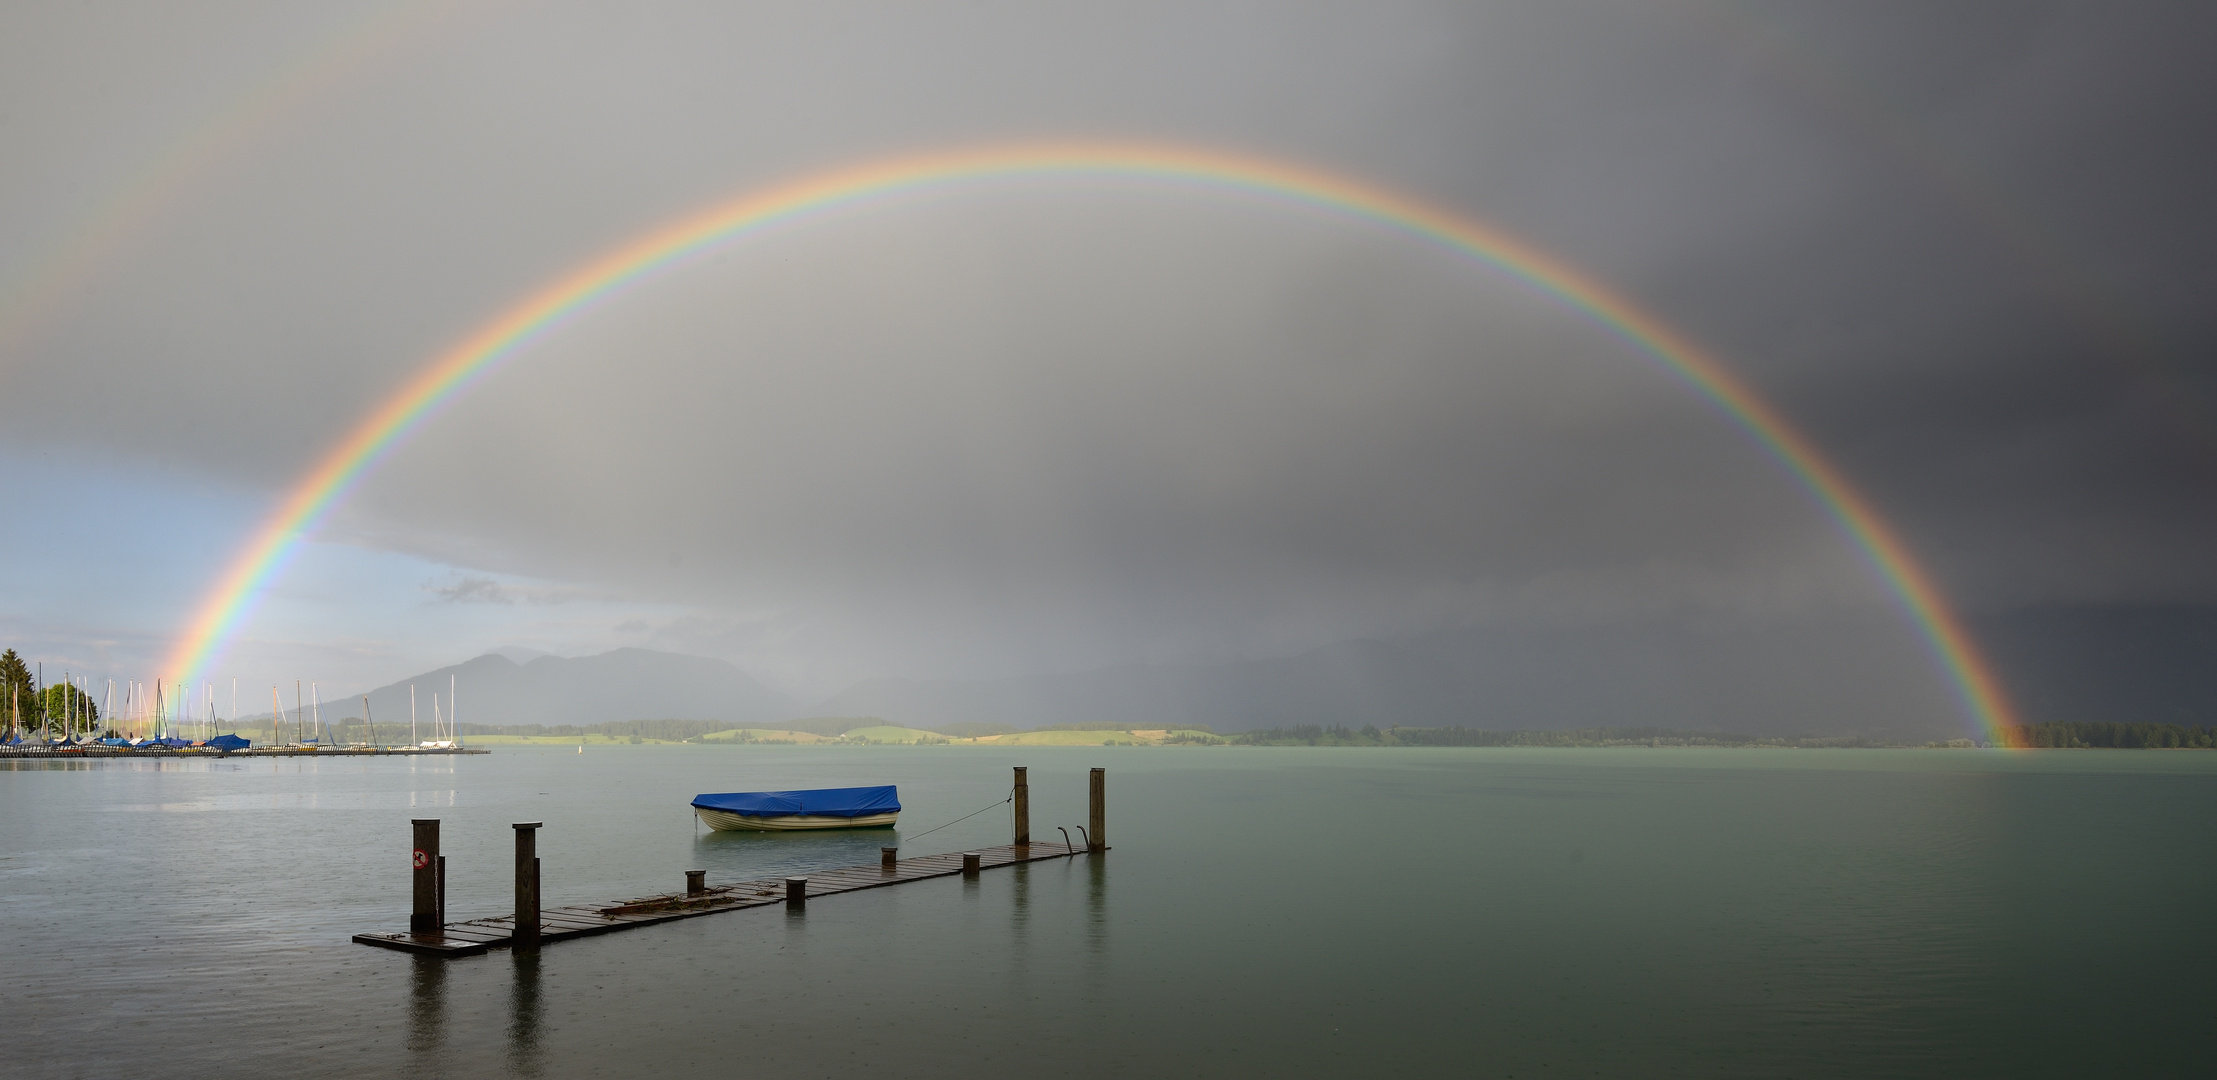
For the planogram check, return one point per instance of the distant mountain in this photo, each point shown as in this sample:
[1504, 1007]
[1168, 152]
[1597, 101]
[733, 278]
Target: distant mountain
[1868, 678]
[627, 684]
[1356, 682]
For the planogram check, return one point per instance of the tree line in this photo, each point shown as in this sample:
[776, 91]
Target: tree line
[25, 706]
[2114, 735]
[1371, 735]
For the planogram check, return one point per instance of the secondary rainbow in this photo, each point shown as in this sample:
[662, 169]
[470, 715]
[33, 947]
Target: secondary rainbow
[481, 353]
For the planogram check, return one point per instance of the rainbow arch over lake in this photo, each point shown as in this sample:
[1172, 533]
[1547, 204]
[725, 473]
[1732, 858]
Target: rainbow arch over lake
[475, 357]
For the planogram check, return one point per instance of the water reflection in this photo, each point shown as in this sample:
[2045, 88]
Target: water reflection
[738, 856]
[1096, 901]
[525, 1013]
[1019, 927]
[427, 1008]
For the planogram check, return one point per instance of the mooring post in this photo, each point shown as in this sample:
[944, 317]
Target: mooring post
[796, 892]
[1096, 835]
[442, 894]
[1023, 800]
[696, 882]
[969, 864]
[424, 918]
[888, 856]
[525, 935]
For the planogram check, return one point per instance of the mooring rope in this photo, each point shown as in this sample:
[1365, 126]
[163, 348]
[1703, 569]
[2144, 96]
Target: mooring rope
[927, 832]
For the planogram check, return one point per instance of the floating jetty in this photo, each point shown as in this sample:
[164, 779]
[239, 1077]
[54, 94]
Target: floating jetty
[430, 934]
[73, 753]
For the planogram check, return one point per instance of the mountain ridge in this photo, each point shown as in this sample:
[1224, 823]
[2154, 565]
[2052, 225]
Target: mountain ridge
[621, 684]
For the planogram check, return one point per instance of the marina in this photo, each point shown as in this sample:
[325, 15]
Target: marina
[95, 750]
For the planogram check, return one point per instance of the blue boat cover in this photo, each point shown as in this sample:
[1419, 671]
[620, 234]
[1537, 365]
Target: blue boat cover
[229, 742]
[823, 802]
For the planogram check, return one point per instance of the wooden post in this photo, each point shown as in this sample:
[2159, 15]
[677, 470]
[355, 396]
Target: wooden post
[442, 894]
[696, 882]
[424, 918]
[1023, 799]
[1096, 833]
[525, 935]
[969, 864]
[888, 856]
[796, 892]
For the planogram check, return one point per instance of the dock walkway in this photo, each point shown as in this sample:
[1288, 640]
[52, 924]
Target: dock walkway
[585, 920]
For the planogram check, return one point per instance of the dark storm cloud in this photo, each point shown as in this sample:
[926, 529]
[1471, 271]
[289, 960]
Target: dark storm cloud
[1034, 427]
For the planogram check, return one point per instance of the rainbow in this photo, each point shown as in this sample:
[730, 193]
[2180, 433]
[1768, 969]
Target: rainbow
[477, 356]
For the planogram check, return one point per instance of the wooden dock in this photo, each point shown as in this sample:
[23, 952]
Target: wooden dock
[585, 920]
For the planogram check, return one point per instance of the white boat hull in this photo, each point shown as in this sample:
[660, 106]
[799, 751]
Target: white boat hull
[726, 821]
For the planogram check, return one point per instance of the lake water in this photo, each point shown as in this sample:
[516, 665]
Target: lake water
[1265, 912]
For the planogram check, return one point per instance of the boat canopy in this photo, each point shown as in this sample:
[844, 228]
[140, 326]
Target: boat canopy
[229, 742]
[823, 802]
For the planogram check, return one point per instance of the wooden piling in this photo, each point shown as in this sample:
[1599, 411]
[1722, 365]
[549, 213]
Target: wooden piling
[969, 864]
[696, 882]
[1096, 833]
[888, 856]
[526, 932]
[424, 917]
[1023, 800]
[442, 893]
[796, 892]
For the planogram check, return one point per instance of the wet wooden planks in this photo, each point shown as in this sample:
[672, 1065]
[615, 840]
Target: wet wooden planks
[585, 920]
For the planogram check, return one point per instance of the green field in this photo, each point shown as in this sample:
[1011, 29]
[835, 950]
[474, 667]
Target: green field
[874, 735]
[888, 733]
[560, 740]
[764, 735]
[1142, 737]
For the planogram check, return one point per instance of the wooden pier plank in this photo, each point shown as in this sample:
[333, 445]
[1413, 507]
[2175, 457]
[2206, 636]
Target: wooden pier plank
[586, 920]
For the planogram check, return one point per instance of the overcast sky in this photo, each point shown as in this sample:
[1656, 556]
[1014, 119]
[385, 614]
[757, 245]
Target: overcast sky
[1038, 426]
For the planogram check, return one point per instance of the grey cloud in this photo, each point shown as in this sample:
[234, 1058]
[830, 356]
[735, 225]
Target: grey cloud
[473, 589]
[1026, 428]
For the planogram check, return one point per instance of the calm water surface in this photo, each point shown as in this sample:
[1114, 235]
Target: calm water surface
[1282, 913]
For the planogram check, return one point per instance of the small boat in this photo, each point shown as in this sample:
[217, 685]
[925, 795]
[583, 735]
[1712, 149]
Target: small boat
[778, 811]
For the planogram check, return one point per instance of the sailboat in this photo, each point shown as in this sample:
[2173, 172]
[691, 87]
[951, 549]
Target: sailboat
[438, 726]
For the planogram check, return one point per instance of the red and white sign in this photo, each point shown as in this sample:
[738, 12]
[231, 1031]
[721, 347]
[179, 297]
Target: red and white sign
[422, 860]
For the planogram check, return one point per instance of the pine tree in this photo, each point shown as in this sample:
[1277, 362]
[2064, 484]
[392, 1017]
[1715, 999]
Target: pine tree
[19, 705]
